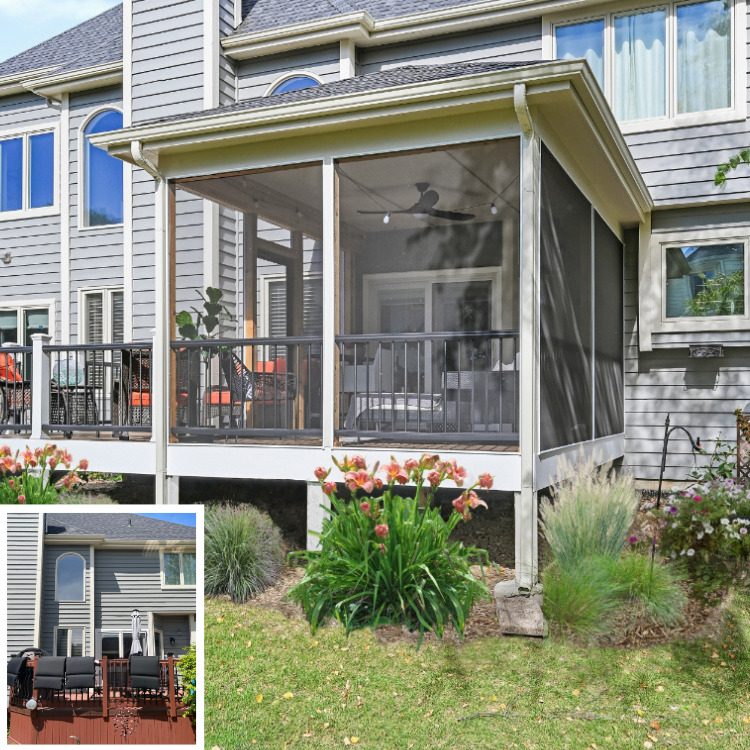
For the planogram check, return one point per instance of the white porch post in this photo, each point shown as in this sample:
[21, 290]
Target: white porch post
[526, 530]
[160, 357]
[315, 513]
[330, 292]
[40, 380]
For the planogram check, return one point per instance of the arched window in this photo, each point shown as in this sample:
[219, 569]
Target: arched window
[70, 571]
[295, 83]
[102, 180]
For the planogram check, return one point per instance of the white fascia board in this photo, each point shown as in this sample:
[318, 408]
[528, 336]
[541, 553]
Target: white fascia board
[13, 84]
[366, 32]
[101, 542]
[54, 85]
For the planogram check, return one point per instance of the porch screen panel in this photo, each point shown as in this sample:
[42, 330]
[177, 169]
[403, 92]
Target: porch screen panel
[566, 330]
[608, 332]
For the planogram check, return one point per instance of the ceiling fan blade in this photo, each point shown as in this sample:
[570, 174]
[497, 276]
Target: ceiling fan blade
[450, 215]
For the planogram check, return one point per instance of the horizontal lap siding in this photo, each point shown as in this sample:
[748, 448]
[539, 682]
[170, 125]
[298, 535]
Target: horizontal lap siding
[515, 42]
[227, 76]
[96, 253]
[700, 395]
[228, 260]
[22, 551]
[177, 627]
[131, 579]
[64, 613]
[256, 76]
[34, 243]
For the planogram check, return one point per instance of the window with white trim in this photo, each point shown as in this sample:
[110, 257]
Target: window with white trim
[70, 578]
[699, 281]
[665, 61]
[178, 569]
[116, 644]
[70, 641]
[17, 324]
[294, 83]
[102, 174]
[102, 322]
[27, 173]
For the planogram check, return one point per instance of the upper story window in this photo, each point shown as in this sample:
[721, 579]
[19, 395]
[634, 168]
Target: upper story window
[102, 181]
[294, 83]
[662, 62]
[27, 172]
[70, 571]
[178, 569]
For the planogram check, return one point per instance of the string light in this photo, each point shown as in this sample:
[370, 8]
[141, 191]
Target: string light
[493, 208]
[387, 217]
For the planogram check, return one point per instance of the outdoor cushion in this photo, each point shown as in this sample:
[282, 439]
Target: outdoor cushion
[15, 665]
[144, 672]
[49, 672]
[140, 398]
[79, 672]
[8, 370]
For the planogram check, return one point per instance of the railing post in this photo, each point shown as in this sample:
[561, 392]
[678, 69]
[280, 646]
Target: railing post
[105, 688]
[170, 683]
[34, 691]
[40, 384]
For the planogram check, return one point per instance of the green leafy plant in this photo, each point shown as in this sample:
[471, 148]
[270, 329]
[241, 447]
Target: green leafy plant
[589, 514]
[187, 665]
[720, 177]
[722, 294]
[722, 463]
[25, 478]
[243, 552]
[208, 318]
[387, 559]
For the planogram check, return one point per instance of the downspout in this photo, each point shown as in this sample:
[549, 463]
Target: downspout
[160, 357]
[526, 523]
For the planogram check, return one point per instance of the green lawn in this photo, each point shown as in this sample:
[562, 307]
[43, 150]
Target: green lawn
[270, 684]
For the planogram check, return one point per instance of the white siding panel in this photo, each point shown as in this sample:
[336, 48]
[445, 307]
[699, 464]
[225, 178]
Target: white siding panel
[22, 549]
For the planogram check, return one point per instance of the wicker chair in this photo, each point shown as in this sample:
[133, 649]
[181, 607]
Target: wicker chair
[131, 395]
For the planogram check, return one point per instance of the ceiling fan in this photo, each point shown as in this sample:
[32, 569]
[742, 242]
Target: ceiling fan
[424, 207]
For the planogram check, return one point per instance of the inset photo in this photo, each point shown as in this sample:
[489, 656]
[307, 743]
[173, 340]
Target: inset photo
[101, 628]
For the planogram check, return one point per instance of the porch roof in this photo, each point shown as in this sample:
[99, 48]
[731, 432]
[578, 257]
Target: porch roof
[562, 97]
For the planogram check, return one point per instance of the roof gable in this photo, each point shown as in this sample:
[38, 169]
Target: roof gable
[125, 526]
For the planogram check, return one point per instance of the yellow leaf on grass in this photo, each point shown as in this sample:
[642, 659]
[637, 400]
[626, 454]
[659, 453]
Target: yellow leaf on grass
[746, 719]
[288, 694]
[219, 619]
[259, 699]
[248, 644]
[576, 692]
[354, 740]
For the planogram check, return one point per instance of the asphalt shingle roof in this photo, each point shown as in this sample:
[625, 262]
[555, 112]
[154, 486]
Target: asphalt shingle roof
[384, 79]
[262, 15]
[93, 42]
[117, 526]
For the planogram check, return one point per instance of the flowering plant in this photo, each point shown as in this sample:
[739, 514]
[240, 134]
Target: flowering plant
[25, 477]
[387, 558]
[708, 521]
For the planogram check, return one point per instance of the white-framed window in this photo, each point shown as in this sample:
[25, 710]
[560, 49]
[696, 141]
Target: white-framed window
[70, 641]
[177, 569]
[294, 81]
[699, 281]
[20, 320]
[661, 65]
[28, 173]
[70, 578]
[273, 322]
[101, 198]
[102, 315]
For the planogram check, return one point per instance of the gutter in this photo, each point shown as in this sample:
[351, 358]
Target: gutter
[53, 86]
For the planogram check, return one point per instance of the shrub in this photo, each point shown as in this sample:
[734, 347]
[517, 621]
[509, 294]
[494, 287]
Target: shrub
[386, 559]
[243, 552]
[25, 478]
[187, 665]
[581, 598]
[710, 522]
[591, 513]
[722, 463]
[652, 587]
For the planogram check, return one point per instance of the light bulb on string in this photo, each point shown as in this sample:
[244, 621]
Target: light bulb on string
[493, 208]
[387, 217]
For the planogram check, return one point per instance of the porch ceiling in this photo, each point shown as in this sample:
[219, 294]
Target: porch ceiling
[566, 104]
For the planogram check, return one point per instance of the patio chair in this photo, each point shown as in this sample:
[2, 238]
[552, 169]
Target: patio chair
[15, 392]
[50, 673]
[15, 666]
[131, 395]
[80, 672]
[144, 672]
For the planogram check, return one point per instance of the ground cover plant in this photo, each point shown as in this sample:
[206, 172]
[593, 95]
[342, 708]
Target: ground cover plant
[270, 683]
[388, 558]
[26, 477]
[243, 551]
[591, 577]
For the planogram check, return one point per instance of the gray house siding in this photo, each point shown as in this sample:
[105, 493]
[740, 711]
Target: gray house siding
[522, 41]
[227, 75]
[255, 76]
[96, 253]
[700, 395]
[22, 550]
[70, 614]
[177, 627]
[34, 243]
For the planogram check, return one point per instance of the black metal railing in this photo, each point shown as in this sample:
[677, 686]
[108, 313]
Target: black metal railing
[452, 386]
[100, 387]
[259, 387]
[15, 389]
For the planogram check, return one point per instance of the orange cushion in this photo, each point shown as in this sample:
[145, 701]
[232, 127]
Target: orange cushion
[140, 398]
[8, 368]
[219, 398]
